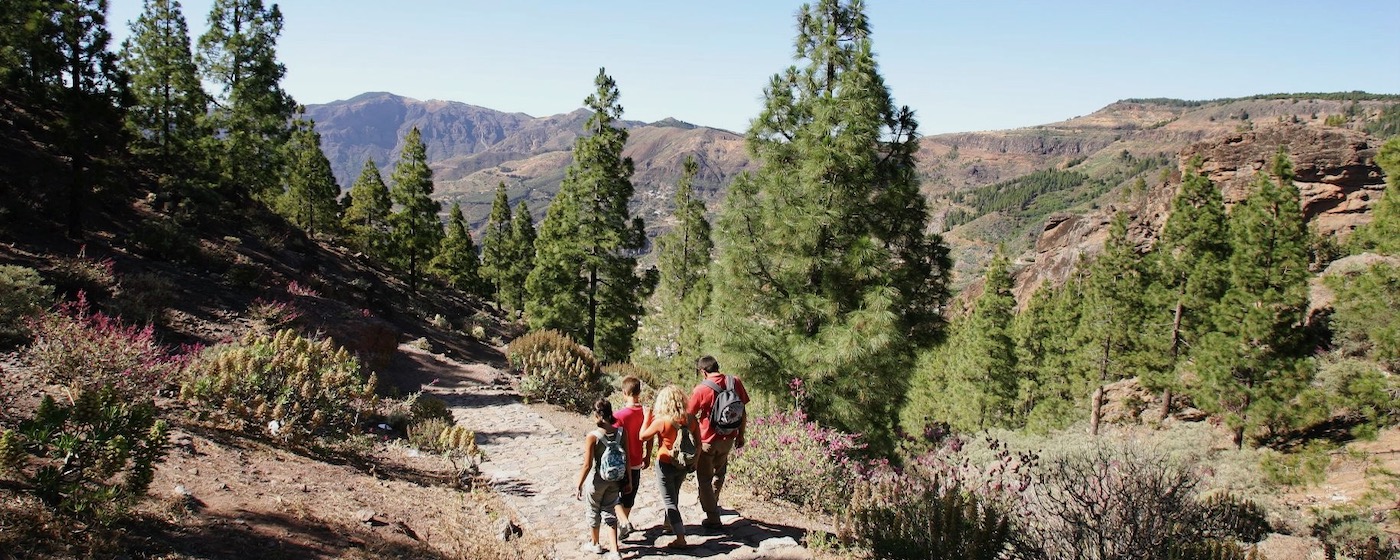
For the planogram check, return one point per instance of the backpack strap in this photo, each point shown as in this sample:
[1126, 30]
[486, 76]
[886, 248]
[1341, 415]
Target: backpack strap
[715, 386]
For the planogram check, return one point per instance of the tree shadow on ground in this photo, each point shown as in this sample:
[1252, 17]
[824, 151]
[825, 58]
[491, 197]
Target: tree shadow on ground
[272, 536]
[711, 543]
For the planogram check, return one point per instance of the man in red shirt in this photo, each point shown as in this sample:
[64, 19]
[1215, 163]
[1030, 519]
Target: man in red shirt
[712, 461]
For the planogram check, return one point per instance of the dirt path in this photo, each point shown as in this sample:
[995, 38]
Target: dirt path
[533, 465]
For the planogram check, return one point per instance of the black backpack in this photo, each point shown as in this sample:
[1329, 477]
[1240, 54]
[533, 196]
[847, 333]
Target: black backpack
[727, 414]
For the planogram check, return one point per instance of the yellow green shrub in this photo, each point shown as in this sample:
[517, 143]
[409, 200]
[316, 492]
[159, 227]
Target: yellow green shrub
[556, 370]
[290, 386]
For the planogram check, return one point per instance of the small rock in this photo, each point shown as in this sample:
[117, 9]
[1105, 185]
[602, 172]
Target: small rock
[305, 488]
[223, 487]
[181, 490]
[780, 542]
[365, 515]
[507, 530]
[194, 471]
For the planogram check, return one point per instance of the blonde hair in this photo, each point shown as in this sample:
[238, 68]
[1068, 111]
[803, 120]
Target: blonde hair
[670, 404]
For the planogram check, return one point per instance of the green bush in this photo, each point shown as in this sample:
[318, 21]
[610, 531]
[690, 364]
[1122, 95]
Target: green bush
[83, 349]
[1304, 467]
[556, 370]
[22, 295]
[910, 515]
[293, 387]
[91, 460]
[442, 436]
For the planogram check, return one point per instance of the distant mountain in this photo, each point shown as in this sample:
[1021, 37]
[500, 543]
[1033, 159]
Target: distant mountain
[1006, 187]
[471, 149]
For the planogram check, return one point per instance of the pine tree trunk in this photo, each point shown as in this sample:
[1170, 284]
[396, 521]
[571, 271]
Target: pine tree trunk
[1096, 411]
[1174, 352]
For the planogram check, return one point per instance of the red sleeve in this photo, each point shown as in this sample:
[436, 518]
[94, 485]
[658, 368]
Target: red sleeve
[696, 404]
[739, 388]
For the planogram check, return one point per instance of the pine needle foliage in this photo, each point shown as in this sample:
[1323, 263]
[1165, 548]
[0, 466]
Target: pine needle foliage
[825, 271]
[585, 281]
[669, 337]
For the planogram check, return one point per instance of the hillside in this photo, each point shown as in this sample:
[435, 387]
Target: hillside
[980, 185]
[471, 149]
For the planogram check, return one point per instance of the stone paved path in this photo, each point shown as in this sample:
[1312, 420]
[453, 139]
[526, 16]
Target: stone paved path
[534, 466]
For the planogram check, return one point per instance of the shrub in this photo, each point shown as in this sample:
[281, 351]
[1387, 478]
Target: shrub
[141, 298]
[294, 387]
[270, 316]
[789, 458]
[164, 239]
[87, 349]
[91, 460]
[1122, 502]
[556, 370]
[1352, 535]
[22, 295]
[83, 274]
[1305, 467]
[908, 514]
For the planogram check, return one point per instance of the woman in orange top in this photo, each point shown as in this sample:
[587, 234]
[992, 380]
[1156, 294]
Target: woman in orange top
[668, 415]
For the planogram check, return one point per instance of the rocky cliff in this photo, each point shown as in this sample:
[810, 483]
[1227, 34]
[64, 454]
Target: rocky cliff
[1335, 170]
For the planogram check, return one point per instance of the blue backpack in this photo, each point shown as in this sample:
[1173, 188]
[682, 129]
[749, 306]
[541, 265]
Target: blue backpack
[612, 465]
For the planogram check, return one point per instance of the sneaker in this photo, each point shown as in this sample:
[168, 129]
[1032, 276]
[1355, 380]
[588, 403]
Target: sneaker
[709, 525]
[624, 530]
[592, 547]
[613, 556]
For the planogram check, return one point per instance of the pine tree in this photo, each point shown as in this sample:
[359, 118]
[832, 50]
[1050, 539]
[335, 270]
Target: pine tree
[30, 64]
[456, 259]
[824, 270]
[309, 197]
[1253, 365]
[670, 334]
[252, 113]
[169, 100]
[521, 256]
[415, 230]
[495, 244]
[584, 282]
[1048, 396]
[91, 98]
[973, 384]
[366, 217]
[1189, 275]
[1112, 317]
[1382, 235]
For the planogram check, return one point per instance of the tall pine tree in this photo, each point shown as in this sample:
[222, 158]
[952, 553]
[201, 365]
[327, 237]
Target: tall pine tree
[366, 217]
[1112, 317]
[824, 270]
[521, 255]
[415, 230]
[670, 335]
[169, 100]
[91, 99]
[309, 196]
[456, 260]
[1048, 396]
[252, 113]
[1189, 275]
[584, 282]
[495, 244]
[1253, 366]
[972, 385]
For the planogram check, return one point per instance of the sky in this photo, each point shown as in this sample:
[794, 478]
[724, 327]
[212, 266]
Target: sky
[962, 66]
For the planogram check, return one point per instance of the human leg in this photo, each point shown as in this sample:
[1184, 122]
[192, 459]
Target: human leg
[627, 500]
[715, 461]
[671, 479]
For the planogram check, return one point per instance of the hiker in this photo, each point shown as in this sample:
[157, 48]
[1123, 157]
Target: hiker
[677, 456]
[605, 455]
[630, 419]
[718, 403]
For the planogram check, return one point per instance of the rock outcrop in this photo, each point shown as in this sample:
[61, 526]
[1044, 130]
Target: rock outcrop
[1335, 170]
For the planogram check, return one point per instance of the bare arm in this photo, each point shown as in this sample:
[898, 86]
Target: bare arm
[587, 464]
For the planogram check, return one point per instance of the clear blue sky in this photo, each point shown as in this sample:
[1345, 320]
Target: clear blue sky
[961, 66]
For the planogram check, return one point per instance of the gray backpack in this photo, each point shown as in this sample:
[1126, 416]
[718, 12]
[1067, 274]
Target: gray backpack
[727, 414]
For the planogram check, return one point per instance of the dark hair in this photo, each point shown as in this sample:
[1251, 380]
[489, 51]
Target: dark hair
[631, 386]
[708, 364]
[603, 409]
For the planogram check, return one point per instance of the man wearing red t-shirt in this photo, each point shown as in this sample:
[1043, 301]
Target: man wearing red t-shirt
[712, 461]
